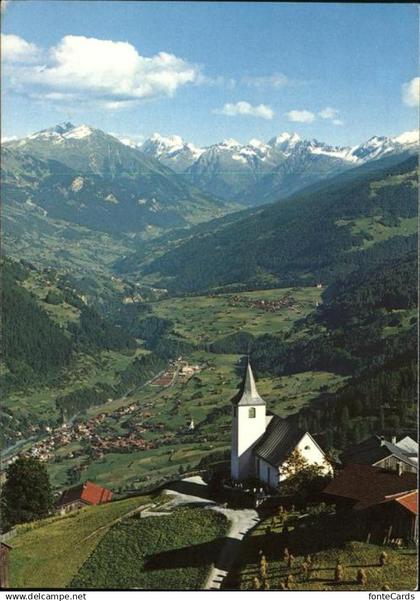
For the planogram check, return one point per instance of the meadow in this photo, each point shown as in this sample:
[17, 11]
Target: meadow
[48, 553]
[328, 540]
[170, 552]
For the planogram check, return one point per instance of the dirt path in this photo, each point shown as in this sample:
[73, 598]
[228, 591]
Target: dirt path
[241, 521]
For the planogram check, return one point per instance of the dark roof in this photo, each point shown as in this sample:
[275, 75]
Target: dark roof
[374, 449]
[248, 393]
[88, 492]
[367, 485]
[278, 441]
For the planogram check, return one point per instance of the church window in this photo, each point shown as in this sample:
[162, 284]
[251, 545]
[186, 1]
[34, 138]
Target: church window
[251, 412]
[307, 448]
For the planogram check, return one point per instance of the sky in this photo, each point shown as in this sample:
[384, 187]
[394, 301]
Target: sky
[208, 71]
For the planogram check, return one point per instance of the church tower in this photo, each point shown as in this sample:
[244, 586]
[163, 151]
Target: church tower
[248, 425]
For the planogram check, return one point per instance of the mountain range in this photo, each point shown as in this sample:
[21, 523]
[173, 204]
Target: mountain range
[86, 176]
[262, 172]
[313, 236]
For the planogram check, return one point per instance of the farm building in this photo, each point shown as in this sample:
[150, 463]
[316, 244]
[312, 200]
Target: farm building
[4, 565]
[262, 442]
[397, 456]
[84, 494]
[383, 503]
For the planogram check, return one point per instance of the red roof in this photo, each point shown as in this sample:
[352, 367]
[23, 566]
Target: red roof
[368, 485]
[409, 502]
[88, 492]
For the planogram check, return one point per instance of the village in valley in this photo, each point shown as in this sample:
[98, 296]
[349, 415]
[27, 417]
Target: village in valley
[281, 486]
[209, 297]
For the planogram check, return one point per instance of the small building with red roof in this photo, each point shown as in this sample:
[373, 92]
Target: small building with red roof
[383, 503]
[87, 493]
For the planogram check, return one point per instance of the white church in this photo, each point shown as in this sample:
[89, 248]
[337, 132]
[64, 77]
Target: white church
[262, 442]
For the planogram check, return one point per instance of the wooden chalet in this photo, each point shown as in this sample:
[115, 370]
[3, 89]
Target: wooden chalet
[381, 502]
[82, 495]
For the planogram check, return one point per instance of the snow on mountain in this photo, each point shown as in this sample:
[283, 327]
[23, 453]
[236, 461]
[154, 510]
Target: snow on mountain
[172, 151]
[285, 142]
[79, 132]
[59, 133]
[408, 138]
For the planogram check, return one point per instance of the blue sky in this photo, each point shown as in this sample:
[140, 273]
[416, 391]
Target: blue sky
[208, 71]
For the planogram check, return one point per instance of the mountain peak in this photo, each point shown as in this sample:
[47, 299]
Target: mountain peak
[285, 140]
[61, 128]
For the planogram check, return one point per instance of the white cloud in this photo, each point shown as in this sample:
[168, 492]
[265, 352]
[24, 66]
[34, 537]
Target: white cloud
[328, 113]
[411, 92]
[111, 73]
[218, 81]
[245, 108]
[17, 50]
[301, 116]
[331, 115]
[277, 80]
[133, 140]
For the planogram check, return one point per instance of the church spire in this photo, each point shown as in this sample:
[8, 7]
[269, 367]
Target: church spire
[248, 393]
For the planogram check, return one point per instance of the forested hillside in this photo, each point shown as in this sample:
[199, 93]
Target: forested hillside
[366, 328]
[312, 237]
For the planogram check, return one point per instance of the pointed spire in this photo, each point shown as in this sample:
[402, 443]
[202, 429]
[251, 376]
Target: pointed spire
[248, 393]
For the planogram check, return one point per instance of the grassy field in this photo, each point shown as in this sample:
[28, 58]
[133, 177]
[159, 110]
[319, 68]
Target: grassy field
[328, 540]
[48, 554]
[207, 318]
[375, 231]
[166, 552]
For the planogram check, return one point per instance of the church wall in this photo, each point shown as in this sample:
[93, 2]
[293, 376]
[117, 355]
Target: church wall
[267, 473]
[312, 453]
[246, 431]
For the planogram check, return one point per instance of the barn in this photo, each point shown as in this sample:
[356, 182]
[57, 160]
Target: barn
[382, 503]
[87, 493]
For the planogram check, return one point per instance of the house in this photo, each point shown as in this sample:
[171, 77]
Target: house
[383, 501]
[4, 565]
[262, 442]
[87, 493]
[396, 456]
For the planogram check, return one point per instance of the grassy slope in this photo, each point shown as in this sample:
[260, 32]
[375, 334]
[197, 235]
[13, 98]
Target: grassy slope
[168, 552]
[47, 554]
[326, 543]
[207, 318]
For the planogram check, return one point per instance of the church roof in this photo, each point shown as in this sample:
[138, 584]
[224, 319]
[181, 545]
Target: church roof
[248, 393]
[278, 442]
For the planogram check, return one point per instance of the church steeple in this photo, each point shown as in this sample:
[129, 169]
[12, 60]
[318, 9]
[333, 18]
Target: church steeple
[248, 393]
[248, 425]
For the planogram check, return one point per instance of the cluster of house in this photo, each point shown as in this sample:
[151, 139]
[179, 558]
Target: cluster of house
[178, 369]
[100, 443]
[376, 479]
[271, 306]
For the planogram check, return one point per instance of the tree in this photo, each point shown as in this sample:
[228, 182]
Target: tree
[302, 478]
[26, 494]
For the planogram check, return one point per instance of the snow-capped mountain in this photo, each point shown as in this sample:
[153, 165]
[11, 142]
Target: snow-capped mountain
[249, 172]
[87, 176]
[252, 173]
[172, 151]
